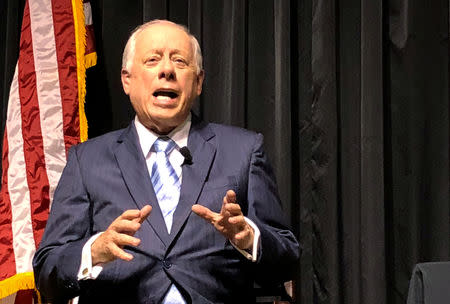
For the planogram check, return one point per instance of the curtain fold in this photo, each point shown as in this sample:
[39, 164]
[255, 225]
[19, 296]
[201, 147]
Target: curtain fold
[373, 245]
[324, 153]
[350, 185]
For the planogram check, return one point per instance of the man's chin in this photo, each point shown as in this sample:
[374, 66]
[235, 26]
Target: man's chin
[172, 119]
[164, 123]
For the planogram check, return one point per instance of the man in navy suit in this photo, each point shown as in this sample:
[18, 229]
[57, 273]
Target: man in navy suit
[123, 231]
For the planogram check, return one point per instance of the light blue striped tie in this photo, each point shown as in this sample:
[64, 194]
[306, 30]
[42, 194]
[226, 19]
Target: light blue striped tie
[166, 184]
[165, 180]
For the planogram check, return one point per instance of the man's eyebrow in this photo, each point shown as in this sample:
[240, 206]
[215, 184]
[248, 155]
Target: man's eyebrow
[178, 51]
[171, 51]
[152, 51]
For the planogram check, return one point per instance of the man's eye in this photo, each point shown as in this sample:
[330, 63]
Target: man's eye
[151, 60]
[180, 61]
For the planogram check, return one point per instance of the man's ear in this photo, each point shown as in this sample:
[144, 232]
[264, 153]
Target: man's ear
[200, 78]
[125, 76]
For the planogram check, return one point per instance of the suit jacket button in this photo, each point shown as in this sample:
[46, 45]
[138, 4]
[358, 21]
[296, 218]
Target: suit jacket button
[167, 264]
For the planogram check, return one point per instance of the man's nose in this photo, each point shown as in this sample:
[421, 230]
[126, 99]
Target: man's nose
[167, 70]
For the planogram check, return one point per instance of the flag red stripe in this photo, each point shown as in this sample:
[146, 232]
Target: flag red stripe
[31, 130]
[67, 62]
[7, 260]
[24, 297]
[90, 43]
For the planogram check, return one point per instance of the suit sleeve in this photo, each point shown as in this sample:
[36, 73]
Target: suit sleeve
[279, 249]
[57, 260]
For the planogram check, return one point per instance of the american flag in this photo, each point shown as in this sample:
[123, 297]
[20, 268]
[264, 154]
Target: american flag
[45, 117]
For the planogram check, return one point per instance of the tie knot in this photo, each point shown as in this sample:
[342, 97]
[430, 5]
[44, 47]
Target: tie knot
[164, 144]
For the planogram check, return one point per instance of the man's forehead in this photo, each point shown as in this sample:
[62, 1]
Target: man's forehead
[162, 29]
[160, 36]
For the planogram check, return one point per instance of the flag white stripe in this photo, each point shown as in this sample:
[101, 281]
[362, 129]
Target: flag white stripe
[48, 89]
[22, 229]
[9, 299]
[87, 13]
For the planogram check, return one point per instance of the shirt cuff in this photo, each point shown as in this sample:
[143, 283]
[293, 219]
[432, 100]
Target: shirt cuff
[253, 256]
[87, 271]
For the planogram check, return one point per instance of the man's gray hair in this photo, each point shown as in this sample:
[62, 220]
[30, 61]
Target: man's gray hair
[130, 47]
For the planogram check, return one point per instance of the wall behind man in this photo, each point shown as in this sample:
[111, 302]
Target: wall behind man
[352, 98]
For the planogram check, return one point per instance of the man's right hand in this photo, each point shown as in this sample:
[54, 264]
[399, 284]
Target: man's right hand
[109, 245]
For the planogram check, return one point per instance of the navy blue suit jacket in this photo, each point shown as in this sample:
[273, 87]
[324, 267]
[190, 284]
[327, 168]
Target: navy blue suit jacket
[107, 175]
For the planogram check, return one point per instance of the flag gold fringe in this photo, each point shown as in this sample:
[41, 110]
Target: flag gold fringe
[80, 40]
[20, 281]
[90, 59]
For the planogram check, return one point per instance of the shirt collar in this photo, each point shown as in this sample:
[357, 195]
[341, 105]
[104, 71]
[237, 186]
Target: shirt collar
[147, 137]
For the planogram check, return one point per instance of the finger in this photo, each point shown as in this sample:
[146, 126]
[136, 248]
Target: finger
[237, 221]
[204, 212]
[130, 214]
[125, 226]
[230, 197]
[144, 213]
[122, 240]
[243, 234]
[244, 239]
[119, 253]
[233, 209]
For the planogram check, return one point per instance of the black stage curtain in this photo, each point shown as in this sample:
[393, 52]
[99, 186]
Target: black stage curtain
[352, 97]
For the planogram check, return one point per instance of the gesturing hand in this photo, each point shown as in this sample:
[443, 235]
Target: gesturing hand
[230, 221]
[108, 246]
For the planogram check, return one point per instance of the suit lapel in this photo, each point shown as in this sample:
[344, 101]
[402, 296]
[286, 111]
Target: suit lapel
[194, 175]
[132, 163]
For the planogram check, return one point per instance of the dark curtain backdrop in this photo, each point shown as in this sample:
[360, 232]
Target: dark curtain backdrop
[352, 97]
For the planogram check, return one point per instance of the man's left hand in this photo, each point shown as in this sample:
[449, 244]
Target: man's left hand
[230, 221]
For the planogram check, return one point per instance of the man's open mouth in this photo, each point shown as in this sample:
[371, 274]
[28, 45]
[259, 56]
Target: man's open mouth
[165, 95]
